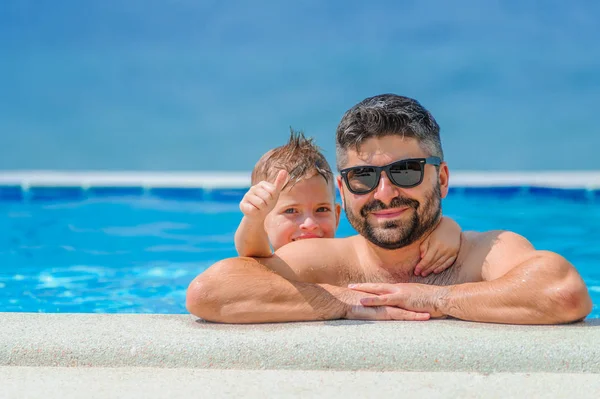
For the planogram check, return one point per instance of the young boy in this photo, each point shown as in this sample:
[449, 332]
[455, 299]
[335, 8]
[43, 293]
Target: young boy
[300, 204]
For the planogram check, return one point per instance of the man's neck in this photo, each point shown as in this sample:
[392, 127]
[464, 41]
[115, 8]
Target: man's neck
[395, 261]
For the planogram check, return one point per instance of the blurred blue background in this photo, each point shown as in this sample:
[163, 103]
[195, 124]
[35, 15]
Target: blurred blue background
[204, 85]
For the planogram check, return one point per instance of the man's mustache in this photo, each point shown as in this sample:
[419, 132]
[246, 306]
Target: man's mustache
[397, 202]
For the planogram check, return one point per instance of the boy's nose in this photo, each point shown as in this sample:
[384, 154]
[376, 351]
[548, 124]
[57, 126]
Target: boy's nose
[309, 224]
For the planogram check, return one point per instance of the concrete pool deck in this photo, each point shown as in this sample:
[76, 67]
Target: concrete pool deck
[66, 383]
[446, 357]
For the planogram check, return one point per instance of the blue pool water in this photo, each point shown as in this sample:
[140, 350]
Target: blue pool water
[123, 252]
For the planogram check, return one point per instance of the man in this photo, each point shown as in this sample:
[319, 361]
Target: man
[392, 179]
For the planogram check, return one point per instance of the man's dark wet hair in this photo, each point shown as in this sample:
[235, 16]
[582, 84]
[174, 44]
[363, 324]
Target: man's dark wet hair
[387, 115]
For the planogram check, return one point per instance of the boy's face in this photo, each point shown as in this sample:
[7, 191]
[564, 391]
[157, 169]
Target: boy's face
[306, 210]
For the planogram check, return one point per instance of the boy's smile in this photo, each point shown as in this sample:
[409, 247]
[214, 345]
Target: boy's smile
[306, 210]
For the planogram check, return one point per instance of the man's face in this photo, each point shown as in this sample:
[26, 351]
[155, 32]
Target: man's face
[392, 217]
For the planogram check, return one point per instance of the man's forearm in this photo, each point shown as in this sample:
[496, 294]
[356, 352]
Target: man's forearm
[543, 290]
[241, 290]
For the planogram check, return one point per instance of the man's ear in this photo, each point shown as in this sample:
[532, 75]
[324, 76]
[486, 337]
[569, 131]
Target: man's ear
[444, 179]
[338, 211]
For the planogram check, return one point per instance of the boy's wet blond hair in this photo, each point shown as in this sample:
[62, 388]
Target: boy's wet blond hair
[300, 157]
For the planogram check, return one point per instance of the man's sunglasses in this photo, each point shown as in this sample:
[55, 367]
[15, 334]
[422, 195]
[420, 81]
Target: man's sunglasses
[406, 173]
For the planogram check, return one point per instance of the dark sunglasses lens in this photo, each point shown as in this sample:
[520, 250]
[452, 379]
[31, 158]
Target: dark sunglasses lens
[406, 173]
[362, 180]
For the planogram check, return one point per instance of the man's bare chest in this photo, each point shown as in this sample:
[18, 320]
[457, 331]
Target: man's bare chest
[452, 275]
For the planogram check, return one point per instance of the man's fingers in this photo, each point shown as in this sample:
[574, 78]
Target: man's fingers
[280, 180]
[385, 313]
[396, 299]
[379, 301]
[402, 314]
[373, 288]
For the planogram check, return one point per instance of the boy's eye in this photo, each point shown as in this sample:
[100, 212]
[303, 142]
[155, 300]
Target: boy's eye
[323, 209]
[290, 210]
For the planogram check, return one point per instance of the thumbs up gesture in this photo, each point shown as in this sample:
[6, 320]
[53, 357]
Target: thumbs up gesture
[262, 197]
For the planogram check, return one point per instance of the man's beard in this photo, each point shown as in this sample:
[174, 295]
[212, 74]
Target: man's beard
[396, 234]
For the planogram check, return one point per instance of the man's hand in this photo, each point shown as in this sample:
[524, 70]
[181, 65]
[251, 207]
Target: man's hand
[405, 297]
[262, 197]
[358, 310]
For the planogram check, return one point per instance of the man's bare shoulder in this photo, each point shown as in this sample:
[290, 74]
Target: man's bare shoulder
[319, 260]
[491, 254]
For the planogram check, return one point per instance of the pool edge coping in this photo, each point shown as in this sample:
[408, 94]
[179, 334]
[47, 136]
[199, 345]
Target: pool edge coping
[183, 341]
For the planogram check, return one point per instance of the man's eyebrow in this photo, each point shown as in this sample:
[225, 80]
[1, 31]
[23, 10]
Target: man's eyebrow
[405, 158]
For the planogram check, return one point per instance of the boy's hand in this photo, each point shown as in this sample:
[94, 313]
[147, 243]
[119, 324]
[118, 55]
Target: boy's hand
[262, 197]
[440, 249]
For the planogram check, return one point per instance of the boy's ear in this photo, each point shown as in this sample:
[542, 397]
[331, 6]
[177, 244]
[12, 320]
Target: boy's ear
[340, 187]
[338, 211]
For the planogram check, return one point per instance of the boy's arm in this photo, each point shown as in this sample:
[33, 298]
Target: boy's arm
[440, 249]
[448, 226]
[251, 238]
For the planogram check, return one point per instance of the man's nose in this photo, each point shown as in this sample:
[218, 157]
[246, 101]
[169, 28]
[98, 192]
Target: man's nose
[386, 190]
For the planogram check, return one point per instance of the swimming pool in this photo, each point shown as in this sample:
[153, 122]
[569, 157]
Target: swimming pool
[134, 249]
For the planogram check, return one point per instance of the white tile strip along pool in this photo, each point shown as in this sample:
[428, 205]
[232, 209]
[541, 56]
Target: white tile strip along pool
[571, 179]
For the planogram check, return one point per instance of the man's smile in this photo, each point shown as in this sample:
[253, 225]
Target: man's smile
[389, 213]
